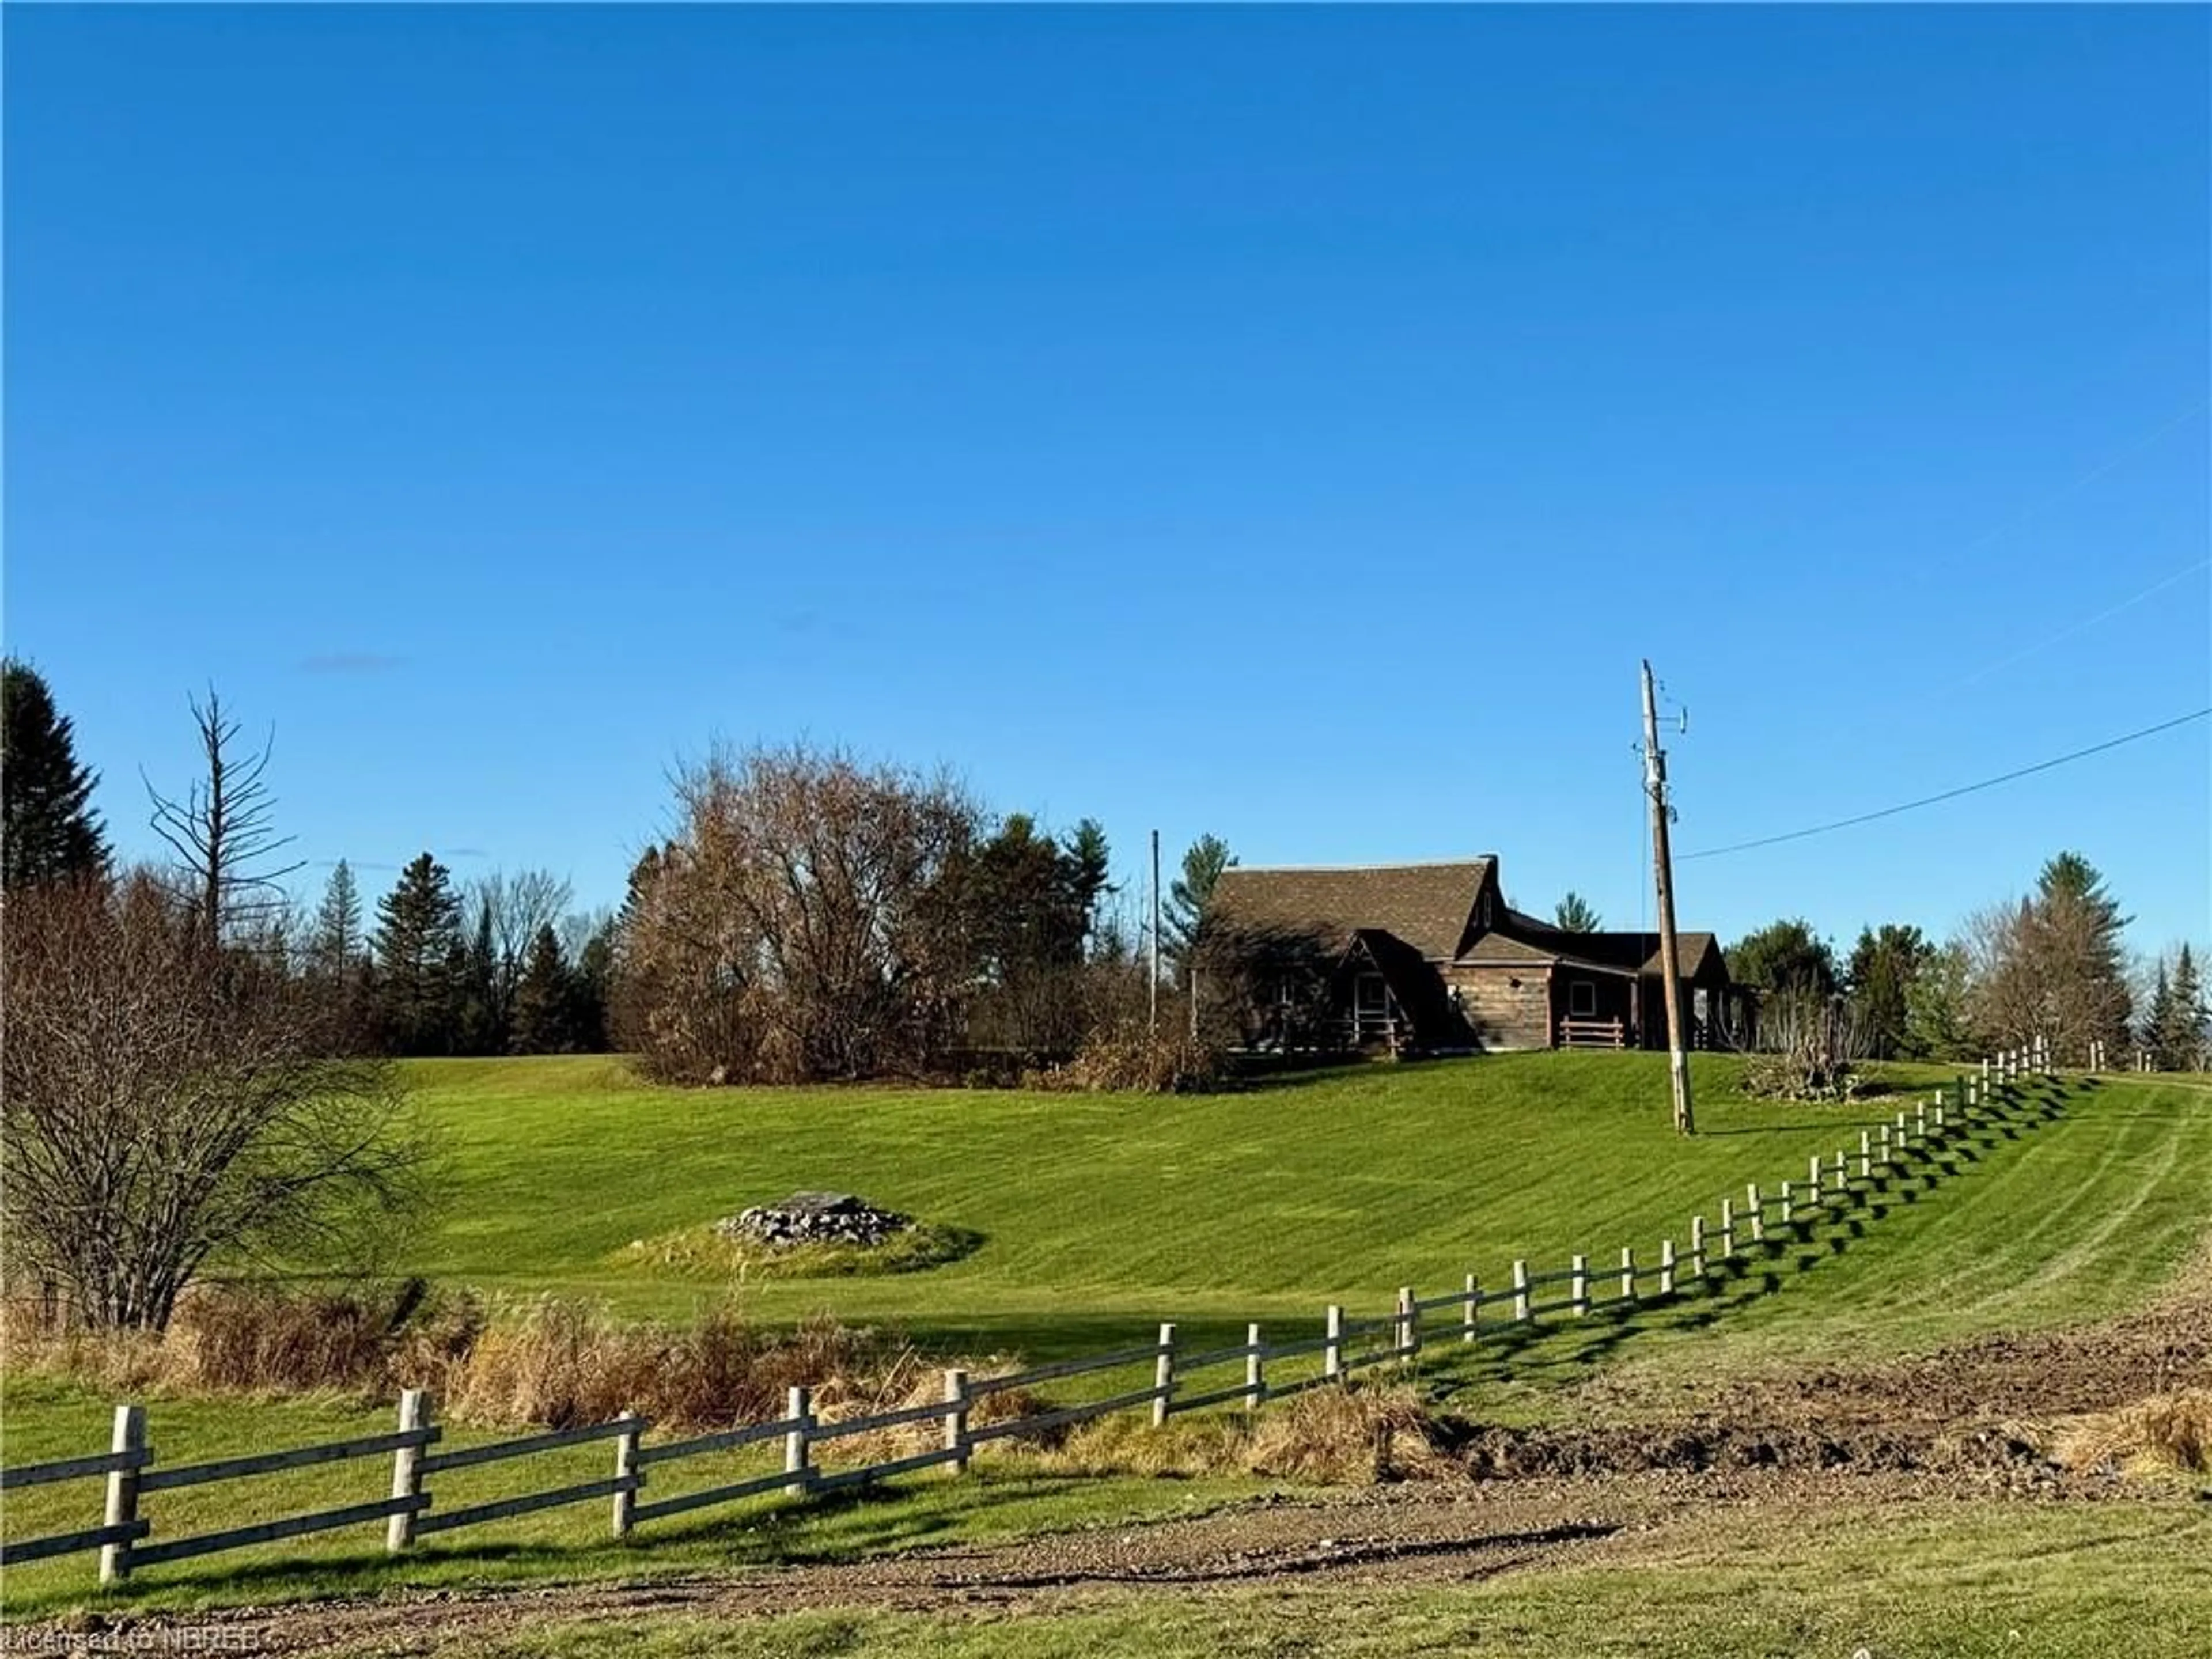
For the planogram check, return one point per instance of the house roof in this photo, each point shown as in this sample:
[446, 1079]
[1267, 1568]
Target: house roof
[1425, 905]
[1622, 951]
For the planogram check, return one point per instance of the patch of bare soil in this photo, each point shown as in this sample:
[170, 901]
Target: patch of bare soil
[1979, 1413]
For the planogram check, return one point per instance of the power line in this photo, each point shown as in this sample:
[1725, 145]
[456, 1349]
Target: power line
[1953, 795]
[2082, 626]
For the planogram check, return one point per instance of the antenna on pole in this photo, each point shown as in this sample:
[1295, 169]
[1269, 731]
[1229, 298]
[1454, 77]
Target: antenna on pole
[1670, 964]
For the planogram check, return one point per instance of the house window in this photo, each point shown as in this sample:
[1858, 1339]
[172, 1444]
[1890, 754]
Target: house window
[1582, 999]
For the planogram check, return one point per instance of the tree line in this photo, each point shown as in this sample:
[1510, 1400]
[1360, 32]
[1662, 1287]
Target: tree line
[2053, 963]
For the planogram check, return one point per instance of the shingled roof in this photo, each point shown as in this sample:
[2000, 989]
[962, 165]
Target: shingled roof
[1626, 953]
[1425, 905]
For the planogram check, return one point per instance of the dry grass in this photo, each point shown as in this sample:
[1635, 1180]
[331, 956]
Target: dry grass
[1330, 1436]
[2160, 1431]
[552, 1362]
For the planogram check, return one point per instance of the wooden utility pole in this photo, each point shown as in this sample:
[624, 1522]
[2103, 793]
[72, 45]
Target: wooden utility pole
[1156, 933]
[1670, 963]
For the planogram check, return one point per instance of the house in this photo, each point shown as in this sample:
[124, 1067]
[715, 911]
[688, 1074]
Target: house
[1430, 958]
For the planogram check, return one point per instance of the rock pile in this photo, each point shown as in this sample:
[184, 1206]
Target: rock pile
[815, 1218]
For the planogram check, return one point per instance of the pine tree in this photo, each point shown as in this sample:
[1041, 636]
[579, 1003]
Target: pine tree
[1576, 916]
[1879, 975]
[1190, 894]
[481, 1028]
[1087, 857]
[418, 949]
[47, 826]
[545, 1000]
[2177, 1031]
[2075, 964]
[338, 959]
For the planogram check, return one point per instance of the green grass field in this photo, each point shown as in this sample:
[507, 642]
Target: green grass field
[1102, 1215]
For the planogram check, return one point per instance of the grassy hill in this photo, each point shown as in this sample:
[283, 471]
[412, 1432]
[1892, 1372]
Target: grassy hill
[1101, 1214]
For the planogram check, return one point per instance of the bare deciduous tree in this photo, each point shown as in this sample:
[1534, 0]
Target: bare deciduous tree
[806, 921]
[165, 1105]
[222, 829]
[519, 902]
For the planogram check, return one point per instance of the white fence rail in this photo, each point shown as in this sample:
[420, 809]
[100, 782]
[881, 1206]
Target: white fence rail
[1344, 1347]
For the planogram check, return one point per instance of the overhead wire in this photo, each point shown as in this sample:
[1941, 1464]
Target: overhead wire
[1951, 794]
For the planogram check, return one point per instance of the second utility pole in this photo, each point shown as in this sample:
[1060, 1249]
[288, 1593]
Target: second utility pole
[1670, 963]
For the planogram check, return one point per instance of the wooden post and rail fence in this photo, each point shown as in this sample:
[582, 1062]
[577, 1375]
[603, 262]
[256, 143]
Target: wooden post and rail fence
[131, 1474]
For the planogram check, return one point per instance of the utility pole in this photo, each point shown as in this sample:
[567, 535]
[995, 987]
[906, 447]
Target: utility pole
[1663, 866]
[1155, 934]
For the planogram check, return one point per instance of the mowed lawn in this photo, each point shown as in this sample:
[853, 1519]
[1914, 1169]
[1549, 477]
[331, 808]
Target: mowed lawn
[1101, 1215]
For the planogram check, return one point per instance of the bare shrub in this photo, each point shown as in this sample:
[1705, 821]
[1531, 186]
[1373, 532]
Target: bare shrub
[166, 1103]
[1813, 1048]
[1128, 1058]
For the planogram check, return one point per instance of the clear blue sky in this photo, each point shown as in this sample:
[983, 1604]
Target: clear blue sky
[1290, 423]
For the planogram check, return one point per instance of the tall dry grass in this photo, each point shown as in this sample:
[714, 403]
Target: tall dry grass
[2159, 1431]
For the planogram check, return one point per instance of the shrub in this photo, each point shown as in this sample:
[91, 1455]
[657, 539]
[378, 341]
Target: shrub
[1130, 1059]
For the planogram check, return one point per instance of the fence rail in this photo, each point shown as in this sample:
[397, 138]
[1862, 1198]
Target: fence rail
[1344, 1345]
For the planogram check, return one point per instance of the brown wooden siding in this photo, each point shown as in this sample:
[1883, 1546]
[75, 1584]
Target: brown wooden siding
[1509, 1006]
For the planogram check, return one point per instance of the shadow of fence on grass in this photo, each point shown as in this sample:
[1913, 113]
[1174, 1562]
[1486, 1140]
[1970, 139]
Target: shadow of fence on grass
[1562, 1347]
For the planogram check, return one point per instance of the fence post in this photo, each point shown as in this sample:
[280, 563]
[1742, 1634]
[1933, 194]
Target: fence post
[407, 1469]
[1814, 1178]
[956, 1418]
[1470, 1319]
[1409, 1324]
[626, 1469]
[122, 1492]
[1986, 1071]
[1789, 1207]
[1698, 1246]
[1728, 1229]
[1666, 1266]
[1520, 1293]
[1920, 1122]
[1755, 1208]
[1579, 1285]
[1332, 1353]
[1255, 1379]
[1164, 1377]
[1886, 1160]
[798, 1407]
[1628, 1273]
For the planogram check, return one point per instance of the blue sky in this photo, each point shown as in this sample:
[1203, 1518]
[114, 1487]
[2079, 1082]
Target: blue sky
[1291, 423]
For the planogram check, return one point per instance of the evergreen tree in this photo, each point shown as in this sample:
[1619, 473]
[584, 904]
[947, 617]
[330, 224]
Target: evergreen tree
[338, 959]
[1087, 857]
[47, 826]
[1183, 918]
[1937, 1025]
[1784, 956]
[481, 1028]
[591, 988]
[2076, 961]
[545, 1000]
[2175, 1031]
[1576, 916]
[418, 951]
[1880, 977]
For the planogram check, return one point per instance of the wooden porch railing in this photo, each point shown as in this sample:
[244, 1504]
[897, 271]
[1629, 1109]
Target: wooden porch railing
[1593, 1034]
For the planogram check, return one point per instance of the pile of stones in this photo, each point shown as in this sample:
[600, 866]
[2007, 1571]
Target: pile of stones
[815, 1218]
